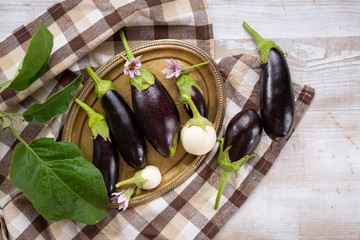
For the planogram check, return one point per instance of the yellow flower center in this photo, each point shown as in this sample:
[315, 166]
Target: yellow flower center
[132, 66]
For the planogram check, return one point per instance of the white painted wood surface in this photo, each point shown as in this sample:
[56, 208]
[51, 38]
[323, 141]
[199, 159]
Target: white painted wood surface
[313, 189]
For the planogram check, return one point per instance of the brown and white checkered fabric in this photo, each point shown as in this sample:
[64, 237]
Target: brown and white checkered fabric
[85, 33]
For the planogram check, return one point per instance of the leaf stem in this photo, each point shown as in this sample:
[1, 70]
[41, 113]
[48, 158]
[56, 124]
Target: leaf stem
[126, 45]
[194, 66]
[224, 178]
[18, 136]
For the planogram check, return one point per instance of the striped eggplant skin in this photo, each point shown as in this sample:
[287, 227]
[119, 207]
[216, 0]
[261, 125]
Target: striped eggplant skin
[126, 134]
[277, 104]
[106, 159]
[243, 134]
[199, 101]
[158, 117]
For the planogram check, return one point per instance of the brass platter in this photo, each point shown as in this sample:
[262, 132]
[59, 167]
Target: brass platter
[182, 165]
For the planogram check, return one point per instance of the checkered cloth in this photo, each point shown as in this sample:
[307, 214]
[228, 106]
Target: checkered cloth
[85, 33]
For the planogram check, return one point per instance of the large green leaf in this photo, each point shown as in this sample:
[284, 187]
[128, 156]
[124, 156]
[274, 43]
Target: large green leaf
[35, 61]
[59, 182]
[53, 106]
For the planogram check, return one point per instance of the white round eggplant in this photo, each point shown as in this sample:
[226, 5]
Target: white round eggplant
[146, 178]
[197, 140]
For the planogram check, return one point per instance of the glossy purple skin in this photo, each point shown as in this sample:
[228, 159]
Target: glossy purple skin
[126, 134]
[106, 159]
[277, 102]
[243, 134]
[157, 116]
[198, 100]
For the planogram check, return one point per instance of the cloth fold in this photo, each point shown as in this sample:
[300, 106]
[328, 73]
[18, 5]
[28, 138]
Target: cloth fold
[86, 33]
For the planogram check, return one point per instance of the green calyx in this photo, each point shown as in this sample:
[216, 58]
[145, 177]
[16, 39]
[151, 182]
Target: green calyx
[138, 180]
[197, 119]
[101, 86]
[144, 81]
[146, 78]
[228, 167]
[264, 45]
[97, 122]
[173, 149]
[183, 85]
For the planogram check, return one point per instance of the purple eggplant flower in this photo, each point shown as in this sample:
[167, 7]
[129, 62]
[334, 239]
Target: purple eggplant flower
[122, 198]
[174, 69]
[132, 67]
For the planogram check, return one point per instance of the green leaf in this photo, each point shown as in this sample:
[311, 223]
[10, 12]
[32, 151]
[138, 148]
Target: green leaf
[53, 106]
[35, 61]
[59, 182]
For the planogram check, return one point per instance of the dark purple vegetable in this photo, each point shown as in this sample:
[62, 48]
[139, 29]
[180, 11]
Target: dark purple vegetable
[242, 136]
[199, 101]
[157, 114]
[277, 104]
[154, 109]
[124, 129]
[106, 159]
[105, 155]
[186, 85]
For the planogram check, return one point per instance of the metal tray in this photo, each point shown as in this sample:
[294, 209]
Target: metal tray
[182, 165]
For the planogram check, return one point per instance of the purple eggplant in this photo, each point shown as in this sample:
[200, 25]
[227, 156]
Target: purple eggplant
[242, 136]
[125, 132]
[186, 85]
[157, 114]
[277, 104]
[106, 159]
[154, 109]
[105, 155]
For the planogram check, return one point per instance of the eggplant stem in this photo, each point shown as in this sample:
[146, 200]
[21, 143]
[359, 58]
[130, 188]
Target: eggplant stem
[258, 39]
[126, 45]
[224, 178]
[127, 181]
[194, 110]
[93, 75]
[89, 111]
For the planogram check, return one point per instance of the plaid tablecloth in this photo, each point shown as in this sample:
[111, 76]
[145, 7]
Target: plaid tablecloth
[85, 33]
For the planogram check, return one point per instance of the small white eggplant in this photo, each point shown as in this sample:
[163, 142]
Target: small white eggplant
[198, 135]
[147, 178]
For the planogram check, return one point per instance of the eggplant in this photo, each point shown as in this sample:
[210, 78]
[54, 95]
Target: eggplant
[125, 132]
[186, 85]
[277, 104]
[106, 159]
[158, 116]
[242, 136]
[154, 109]
[105, 155]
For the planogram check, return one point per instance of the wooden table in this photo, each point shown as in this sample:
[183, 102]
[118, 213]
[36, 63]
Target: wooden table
[313, 189]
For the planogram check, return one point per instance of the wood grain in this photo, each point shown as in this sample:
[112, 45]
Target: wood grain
[312, 190]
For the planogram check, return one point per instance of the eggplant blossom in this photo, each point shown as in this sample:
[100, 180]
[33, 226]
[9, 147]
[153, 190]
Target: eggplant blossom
[123, 198]
[174, 69]
[132, 67]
